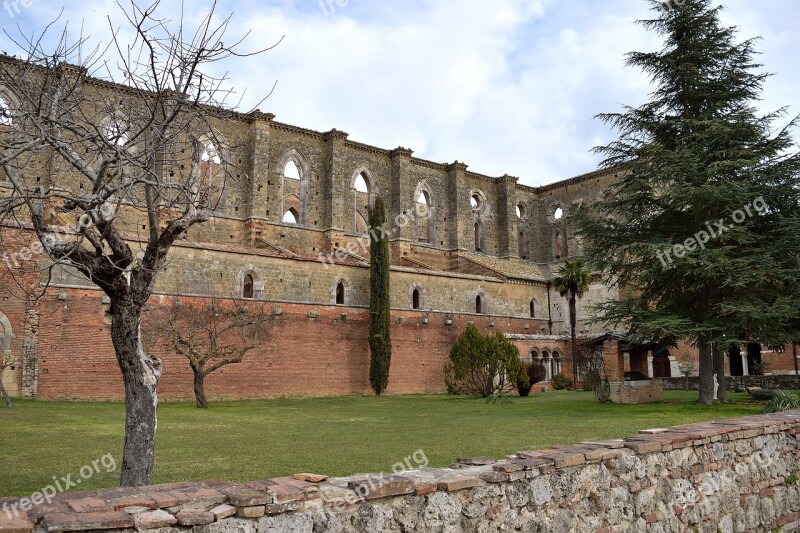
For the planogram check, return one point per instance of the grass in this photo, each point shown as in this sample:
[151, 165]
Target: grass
[251, 440]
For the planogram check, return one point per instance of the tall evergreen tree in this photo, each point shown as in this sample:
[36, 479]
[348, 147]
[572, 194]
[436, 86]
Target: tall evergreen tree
[380, 342]
[704, 224]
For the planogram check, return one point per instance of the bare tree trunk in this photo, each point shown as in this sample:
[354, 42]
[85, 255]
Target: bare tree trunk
[573, 317]
[706, 372]
[719, 370]
[4, 392]
[140, 372]
[199, 390]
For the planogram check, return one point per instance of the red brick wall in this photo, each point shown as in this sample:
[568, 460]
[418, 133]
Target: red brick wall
[303, 356]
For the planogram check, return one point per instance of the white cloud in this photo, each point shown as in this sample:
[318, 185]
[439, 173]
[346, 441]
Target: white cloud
[508, 86]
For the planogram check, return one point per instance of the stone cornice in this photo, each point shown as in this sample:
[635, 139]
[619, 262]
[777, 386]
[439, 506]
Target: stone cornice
[457, 166]
[336, 135]
[401, 152]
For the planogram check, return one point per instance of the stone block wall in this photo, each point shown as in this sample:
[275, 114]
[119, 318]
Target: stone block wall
[633, 392]
[734, 475]
[781, 382]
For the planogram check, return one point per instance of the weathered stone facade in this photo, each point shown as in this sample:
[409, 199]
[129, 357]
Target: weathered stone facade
[735, 475]
[290, 222]
[290, 226]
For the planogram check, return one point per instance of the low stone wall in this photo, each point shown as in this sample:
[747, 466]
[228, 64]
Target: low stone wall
[782, 381]
[735, 475]
[632, 392]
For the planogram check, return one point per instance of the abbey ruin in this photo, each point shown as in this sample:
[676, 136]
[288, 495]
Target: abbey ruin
[289, 229]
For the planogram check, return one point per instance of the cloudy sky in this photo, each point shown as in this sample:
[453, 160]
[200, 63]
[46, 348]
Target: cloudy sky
[506, 86]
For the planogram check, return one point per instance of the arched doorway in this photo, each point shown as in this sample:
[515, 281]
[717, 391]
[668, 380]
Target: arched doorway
[661, 364]
[735, 359]
[754, 362]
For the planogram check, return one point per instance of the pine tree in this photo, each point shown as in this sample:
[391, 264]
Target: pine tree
[704, 223]
[380, 342]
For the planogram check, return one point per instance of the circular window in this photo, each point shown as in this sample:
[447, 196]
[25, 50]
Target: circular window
[521, 211]
[476, 200]
[558, 213]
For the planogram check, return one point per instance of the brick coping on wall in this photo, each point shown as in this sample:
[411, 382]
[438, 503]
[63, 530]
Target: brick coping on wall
[219, 506]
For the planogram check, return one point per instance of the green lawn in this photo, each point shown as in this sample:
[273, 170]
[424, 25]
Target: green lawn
[337, 436]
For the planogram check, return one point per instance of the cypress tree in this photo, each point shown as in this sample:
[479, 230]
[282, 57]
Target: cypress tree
[704, 223]
[380, 342]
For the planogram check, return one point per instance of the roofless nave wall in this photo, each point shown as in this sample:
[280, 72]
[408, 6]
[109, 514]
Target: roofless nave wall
[289, 228]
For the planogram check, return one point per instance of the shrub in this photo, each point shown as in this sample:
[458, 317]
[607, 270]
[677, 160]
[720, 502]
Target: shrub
[783, 401]
[589, 381]
[763, 395]
[560, 382]
[483, 365]
[536, 373]
[499, 398]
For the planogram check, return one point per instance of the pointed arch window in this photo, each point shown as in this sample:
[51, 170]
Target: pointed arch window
[361, 224]
[362, 200]
[415, 299]
[477, 236]
[424, 214]
[6, 334]
[558, 245]
[212, 179]
[340, 293]
[290, 216]
[116, 131]
[291, 171]
[248, 287]
[478, 304]
[6, 112]
[362, 183]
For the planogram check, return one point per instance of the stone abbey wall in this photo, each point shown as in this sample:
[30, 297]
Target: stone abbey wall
[472, 246]
[467, 243]
[733, 475]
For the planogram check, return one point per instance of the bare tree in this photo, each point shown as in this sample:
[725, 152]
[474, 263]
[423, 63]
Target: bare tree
[595, 373]
[6, 362]
[106, 148]
[687, 367]
[217, 334]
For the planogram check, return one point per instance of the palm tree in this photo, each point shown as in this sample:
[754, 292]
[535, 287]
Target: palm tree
[571, 281]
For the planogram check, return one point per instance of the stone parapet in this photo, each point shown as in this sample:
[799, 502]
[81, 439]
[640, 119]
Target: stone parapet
[734, 475]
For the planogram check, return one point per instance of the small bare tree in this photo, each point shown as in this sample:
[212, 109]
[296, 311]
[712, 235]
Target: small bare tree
[217, 334]
[6, 362]
[595, 373]
[687, 366]
[108, 147]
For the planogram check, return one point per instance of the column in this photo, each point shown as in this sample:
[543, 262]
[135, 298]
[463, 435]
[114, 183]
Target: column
[459, 220]
[507, 224]
[263, 197]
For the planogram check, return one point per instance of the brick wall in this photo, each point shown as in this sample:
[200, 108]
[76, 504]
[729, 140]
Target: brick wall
[312, 350]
